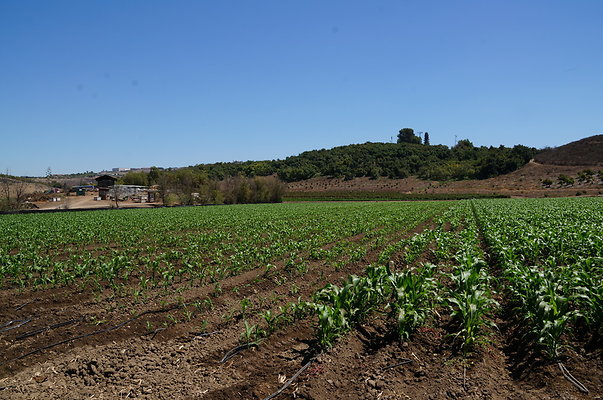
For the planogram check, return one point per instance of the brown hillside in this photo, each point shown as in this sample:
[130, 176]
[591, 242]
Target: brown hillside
[25, 187]
[528, 181]
[588, 151]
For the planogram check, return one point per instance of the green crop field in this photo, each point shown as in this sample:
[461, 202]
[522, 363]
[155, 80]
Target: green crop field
[508, 277]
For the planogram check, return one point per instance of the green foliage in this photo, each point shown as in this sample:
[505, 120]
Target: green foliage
[135, 178]
[393, 160]
[193, 186]
[550, 251]
[565, 180]
[345, 195]
[470, 300]
[251, 334]
[407, 135]
[412, 298]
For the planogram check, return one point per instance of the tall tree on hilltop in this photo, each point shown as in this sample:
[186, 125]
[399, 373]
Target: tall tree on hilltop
[426, 140]
[407, 135]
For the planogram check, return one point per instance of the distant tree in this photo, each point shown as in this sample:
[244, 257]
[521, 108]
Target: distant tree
[407, 135]
[153, 177]
[464, 144]
[6, 200]
[426, 140]
[565, 180]
[135, 178]
[116, 194]
[586, 176]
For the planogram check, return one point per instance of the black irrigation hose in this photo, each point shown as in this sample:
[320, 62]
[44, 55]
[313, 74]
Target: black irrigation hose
[573, 380]
[204, 334]
[290, 381]
[111, 328]
[40, 330]
[23, 305]
[237, 350]
[404, 361]
[156, 331]
[9, 325]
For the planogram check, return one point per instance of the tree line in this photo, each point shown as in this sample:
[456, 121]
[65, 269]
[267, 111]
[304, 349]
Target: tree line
[411, 155]
[193, 186]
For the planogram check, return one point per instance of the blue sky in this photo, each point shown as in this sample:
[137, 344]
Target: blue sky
[90, 85]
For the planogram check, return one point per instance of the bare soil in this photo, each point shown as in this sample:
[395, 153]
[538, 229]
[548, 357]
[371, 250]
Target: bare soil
[525, 182]
[72, 202]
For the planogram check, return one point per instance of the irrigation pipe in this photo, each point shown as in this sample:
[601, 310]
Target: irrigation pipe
[109, 329]
[404, 361]
[571, 378]
[205, 334]
[290, 381]
[237, 350]
[23, 305]
[9, 325]
[154, 333]
[40, 330]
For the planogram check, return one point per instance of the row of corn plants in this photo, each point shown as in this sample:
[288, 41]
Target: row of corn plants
[163, 246]
[551, 254]
[410, 294]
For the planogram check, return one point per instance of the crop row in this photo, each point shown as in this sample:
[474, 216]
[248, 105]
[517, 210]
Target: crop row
[198, 245]
[410, 290]
[551, 256]
[548, 255]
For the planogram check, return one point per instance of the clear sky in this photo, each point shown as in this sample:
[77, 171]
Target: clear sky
[91, 85]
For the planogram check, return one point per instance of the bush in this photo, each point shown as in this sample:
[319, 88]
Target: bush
[565, 180]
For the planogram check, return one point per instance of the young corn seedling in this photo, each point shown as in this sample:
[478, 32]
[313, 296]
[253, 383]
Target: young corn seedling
[271, 320]
[542, 304]
[590, 298]
[251, 334]
[470, 300]
[245, 305]
[331, 324]
[412, 299]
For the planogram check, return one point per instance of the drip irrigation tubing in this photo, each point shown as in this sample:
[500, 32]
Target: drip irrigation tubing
[236, 351]
[195, 334]
[9, 325]
[290, 381]
[573, 380]
[23, 305]
[55, 326]
[404, 361]
[109, 329]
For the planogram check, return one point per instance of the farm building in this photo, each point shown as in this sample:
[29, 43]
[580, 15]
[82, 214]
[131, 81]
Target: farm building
[104, 182]
[138, 194]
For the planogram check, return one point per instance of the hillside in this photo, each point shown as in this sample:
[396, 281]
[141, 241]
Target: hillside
[392, 160]
[586, 152]
[529, 181]
[568, 170]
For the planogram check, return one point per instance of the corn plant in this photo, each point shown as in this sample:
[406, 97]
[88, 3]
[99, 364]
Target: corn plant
[413, 295]
[251, 334]
[470, 300]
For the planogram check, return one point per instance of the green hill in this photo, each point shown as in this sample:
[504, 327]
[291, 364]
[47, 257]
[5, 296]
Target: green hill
[393, 160]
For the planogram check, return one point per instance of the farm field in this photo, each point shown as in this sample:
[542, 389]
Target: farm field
[488, 298]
